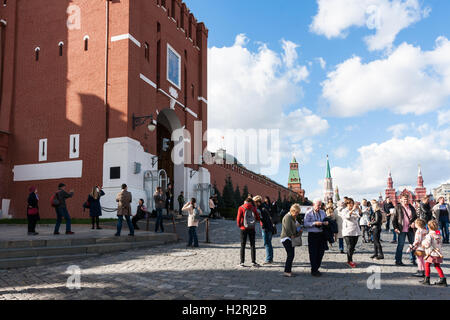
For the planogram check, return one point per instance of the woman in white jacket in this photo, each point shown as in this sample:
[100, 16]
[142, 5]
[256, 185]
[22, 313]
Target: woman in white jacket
[193, 220]
[350, 229]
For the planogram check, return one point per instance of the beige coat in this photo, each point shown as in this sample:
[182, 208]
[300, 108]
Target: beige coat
[124, 200]
[191, 218]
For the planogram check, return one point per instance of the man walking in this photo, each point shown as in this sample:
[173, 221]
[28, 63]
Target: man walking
[124, 209]
[246, 221]
[61, 208]
[314, 221]
[267, 227]
[403, 222]
[180, 203]
[388, 209]
[160, 201]
[441, 212]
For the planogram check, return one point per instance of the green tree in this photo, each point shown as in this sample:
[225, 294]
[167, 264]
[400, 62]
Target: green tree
[237, 196]
[228, 193]
[244, 194]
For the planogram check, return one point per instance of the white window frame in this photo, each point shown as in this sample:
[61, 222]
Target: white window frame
[74, 155]
[178, 85]
[43, 150]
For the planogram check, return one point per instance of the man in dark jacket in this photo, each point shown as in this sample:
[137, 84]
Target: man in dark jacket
[387, 206]
[267, 227]
[403, 223]
[61, 209]
[425, 210]
[141, 213]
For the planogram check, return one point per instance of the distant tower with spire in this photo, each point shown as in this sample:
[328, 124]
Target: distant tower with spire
[294, 182]
[390, 191]
[420, 191]
[328, 194]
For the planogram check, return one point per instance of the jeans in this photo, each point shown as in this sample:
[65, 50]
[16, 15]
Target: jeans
[290, 250]
[60, 214]
[401, 243]
[443, 225]
[159, 220]
[395, 235]
[316, 249]
[388, 223]
[119, 225]
[351, 244]
[250, 233]
[267, 236]
[376, 242]
[341, 244]
[193, 236]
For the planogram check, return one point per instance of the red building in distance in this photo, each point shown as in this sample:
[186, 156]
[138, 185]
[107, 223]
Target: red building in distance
[419, 192]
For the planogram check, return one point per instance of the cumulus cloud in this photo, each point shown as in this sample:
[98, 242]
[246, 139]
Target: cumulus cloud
[398, 129]
[341, 152]
[253, 89]
[409, 80]
[322, 62]
[386, 17]
[367, 177]
[444, 117]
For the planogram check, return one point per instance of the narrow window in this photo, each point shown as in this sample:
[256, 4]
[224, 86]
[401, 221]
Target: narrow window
[173, 67]
[37, 50]
[86, 43]
[42, 150]
[147, 52]
[182, 18]
[158, 27]
[158, 64]
[61, 45]
[74, 151]
[173, 9]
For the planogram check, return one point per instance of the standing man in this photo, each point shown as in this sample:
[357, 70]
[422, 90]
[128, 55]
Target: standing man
[267, 227]
[61, 208]
[403, 223]
[441, 212]
[169, 199]
[316, 239]
[246, 221]
[160, 201]
[124, 209]
[424, 212]
[387, 209]
[180, 203]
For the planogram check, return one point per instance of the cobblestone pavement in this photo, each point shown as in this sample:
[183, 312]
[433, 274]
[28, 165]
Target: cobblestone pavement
[212, 272]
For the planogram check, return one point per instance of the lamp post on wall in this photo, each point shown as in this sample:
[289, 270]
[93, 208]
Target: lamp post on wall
[138, 121]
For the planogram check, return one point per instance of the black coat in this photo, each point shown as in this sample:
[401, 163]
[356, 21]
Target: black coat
[33, 202]
[330, 230]
[397, 222]
[425, 212]
[376, 220]
[95, 209]
[266, 220]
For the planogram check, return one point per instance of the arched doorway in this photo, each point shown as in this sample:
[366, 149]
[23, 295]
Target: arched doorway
[168, 122]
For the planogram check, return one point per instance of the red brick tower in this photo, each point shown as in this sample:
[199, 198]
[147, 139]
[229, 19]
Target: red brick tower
[390, 191]
[420, 191]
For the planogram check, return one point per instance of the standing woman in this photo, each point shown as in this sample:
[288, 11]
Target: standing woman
[193, 220]
[364, 220]
[95, 209]
[375, 224]
[288, 233]
[350, 229]
[33, 211]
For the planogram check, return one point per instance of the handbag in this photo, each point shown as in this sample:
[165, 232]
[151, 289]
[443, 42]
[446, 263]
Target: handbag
[297, 241]
[32, 211]
[419, 253]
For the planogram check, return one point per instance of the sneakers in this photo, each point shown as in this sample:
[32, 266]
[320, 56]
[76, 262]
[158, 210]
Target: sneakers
[393, 241]
[242, 265]
[373, 256]
[399, 263]
[419, 274]
[267, 263]
[255, 265]
[288, 275]
[381, 257]
[351, 264]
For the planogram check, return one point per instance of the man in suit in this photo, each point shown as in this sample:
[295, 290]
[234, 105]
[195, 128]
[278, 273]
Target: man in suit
[124, 209]
[403, 223]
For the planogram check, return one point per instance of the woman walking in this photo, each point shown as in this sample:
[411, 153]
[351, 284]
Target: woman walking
[364, 221]
[193, 220]
[350, 229]
[33, 211]
[288, 233]
[95, 209]
[375, 225]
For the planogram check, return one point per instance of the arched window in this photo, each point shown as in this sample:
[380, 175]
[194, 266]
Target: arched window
[86, 43]
[61, 46]
[37, 50]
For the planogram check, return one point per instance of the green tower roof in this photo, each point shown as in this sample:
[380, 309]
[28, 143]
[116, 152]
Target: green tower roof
[294, 176]
[328, 169]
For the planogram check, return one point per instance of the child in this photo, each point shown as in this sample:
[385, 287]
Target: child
[433, 250]
[418, 249]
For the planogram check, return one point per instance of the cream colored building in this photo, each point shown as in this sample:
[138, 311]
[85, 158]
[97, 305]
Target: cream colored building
[442, 191]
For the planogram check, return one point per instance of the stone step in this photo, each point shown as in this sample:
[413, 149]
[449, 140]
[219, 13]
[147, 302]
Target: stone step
[25, 257]
[13, 263]
[68, 242]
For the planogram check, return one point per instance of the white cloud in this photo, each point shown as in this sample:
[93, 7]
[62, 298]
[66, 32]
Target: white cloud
[387, 17]
[398, 129]
[252, 90]
[341, 152]
[367, 177]
[322, 62]
[444, 117]
[409, 80]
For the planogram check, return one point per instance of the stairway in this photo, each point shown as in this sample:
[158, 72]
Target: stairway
[27, 253]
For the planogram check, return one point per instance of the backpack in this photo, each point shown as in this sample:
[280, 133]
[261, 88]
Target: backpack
[249, 219]
[196, 215]
[54, 201]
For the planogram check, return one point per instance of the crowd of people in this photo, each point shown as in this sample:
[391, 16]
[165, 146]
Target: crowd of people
[347, 222]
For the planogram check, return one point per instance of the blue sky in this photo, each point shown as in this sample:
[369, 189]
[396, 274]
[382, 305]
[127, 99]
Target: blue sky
[395, 96]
